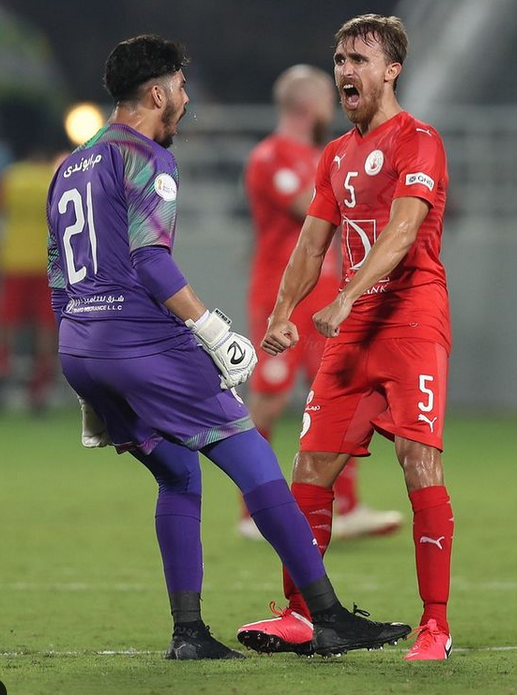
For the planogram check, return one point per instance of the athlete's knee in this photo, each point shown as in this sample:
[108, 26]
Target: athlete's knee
[318, 467]
[247, 458]
[174, 467]
[421, 463]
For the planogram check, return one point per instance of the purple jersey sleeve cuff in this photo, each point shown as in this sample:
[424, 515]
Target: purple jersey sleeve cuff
[157, 271]
[58, 301]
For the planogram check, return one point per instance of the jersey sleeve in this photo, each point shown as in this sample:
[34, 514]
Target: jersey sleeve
[55, 274]
[151, 185]
[421, 165]
[324, 204]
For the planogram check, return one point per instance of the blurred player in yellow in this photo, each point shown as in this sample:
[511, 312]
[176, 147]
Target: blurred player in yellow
[280, 177]
[24, 295]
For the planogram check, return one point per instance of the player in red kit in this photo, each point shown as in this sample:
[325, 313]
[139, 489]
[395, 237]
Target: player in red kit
[385, 365]
[280, 176]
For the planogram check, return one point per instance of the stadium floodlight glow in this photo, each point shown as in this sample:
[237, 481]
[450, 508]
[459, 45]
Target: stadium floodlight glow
[82, 121]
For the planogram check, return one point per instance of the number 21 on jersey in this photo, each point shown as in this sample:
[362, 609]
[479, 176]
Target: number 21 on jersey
[74, 197]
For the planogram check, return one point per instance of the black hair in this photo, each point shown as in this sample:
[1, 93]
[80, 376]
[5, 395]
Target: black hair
[135, 61]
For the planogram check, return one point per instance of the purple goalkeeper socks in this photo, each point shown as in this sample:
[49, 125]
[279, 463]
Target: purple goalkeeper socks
[281, 522]
[178, 519]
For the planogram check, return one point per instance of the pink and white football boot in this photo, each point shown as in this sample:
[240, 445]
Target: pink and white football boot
[430, 644]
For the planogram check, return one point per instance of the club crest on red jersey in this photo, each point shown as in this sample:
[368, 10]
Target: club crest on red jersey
[374, 162]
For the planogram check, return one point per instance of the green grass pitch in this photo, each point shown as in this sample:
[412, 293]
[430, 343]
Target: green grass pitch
[82, 602]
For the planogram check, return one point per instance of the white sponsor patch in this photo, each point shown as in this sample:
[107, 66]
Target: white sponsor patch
[310, 397]
[421, 178]
[374, 162]
[166, 187]
[286, 181]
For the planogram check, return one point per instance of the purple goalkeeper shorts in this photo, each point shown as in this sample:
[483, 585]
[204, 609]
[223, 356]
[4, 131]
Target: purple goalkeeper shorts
[174, 395]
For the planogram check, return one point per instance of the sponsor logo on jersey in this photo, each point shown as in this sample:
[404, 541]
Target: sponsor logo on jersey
[166, 187]
[420, 178]
[310, 397]
[424, 130]
[360, 236]
[286, 181]
[374, 162]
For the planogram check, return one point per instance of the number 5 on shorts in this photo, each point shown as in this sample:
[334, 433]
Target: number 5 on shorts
[423, 379]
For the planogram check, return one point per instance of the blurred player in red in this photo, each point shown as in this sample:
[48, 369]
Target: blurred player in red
[385, 363]
[24, 294]
[280, 183]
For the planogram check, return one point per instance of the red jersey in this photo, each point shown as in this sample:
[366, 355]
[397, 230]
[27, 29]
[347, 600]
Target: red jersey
[357, 179]
[278, 170]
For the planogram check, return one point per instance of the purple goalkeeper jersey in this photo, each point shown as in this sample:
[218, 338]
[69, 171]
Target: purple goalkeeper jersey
[112, 196]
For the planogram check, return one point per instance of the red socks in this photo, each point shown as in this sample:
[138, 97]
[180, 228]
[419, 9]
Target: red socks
[433, 527]
[316, 504]
[345, 489]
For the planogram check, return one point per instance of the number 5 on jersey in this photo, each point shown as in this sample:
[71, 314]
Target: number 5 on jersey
[73, 196]
[351, 201]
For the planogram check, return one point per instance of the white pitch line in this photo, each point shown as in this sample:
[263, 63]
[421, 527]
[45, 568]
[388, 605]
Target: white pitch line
[137, 652]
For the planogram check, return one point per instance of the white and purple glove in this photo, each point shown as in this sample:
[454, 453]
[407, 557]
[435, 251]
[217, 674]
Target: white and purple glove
[232, 353]
[94, 433]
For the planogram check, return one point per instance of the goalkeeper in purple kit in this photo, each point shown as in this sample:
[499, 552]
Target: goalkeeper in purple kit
[153, 367]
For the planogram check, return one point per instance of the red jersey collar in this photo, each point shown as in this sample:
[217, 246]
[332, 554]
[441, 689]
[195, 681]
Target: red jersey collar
[380, 128]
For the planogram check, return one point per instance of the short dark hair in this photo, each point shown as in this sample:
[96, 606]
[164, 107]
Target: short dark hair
[390, 32]
[137, 60]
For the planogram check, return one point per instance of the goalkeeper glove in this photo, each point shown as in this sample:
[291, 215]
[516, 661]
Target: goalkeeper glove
[94, 433]
[232, 353]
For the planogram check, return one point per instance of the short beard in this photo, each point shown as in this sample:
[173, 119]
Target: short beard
[167, 116]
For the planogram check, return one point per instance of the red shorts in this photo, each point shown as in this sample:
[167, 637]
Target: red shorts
[277, 374]
[25, 298]
[396, 386]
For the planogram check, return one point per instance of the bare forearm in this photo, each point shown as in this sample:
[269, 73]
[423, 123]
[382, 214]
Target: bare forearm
[185, 304]
[300, 277]
[304, 267]
[406, 216]
[387, 252]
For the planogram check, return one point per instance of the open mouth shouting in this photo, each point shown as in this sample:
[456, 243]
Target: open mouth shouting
[350, 96]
